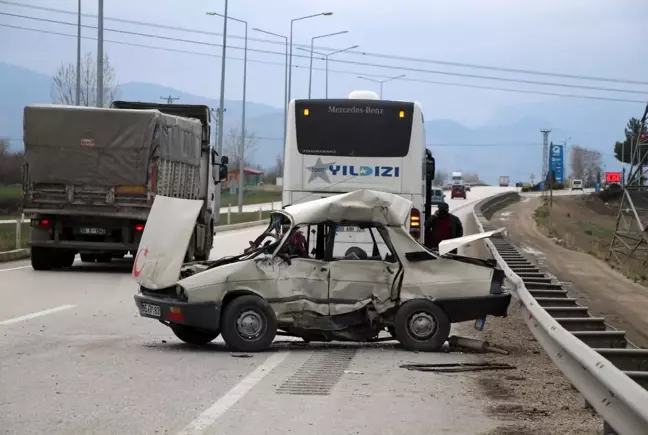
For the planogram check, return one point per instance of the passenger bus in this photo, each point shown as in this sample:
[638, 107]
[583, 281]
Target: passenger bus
[340, 145]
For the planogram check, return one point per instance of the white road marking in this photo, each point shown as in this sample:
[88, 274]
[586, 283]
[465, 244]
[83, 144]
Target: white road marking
[14, 268]
[201, 423]
[36, 314]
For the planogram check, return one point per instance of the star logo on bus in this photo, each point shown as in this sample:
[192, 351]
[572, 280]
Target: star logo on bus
[319, 170]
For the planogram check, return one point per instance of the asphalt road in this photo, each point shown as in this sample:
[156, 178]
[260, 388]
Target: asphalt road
[76, 358]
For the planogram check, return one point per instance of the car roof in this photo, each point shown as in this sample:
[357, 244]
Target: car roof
[360, 206]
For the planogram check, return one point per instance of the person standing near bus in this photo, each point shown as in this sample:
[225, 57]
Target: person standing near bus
[442, 225]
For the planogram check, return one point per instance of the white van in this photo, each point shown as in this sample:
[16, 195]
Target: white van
[577, 185]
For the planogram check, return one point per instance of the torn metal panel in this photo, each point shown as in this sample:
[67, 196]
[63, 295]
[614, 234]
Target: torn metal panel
[362, 205]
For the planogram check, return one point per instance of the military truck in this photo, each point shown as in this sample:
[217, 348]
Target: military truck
[91, 174]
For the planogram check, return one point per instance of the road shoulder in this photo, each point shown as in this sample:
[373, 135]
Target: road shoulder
[606, 292]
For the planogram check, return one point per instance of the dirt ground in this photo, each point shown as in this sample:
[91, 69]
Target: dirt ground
[534, 398]
[570, 244]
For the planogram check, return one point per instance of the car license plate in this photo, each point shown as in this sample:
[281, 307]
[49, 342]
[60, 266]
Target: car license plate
[93, 231]
[151, 310]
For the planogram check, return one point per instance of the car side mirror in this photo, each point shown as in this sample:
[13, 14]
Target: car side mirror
[222, 172]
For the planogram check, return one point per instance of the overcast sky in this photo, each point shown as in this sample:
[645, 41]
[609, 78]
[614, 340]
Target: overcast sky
[585, 37]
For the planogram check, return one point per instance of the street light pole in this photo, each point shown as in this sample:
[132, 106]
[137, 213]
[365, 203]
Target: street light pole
[382, 81]
[285, 80]
[100, 54]
[310, 69]
[221, 106]
[243, 132]
[326, 14]
[78, 67]
[326, 58]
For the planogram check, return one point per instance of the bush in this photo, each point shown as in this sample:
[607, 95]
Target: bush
[10, 206]
[526, 188]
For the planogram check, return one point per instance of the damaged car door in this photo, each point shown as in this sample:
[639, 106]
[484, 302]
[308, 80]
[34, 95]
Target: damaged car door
[357, 277]
[303, 281]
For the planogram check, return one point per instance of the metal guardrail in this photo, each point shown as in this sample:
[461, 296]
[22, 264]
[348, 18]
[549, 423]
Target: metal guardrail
[616, 386]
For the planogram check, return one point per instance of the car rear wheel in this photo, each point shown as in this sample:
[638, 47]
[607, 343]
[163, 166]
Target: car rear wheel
[249, 324]
[421, 325]
[193, 335]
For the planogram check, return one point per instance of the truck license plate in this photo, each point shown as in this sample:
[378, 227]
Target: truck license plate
[93, 231]
[151, 310]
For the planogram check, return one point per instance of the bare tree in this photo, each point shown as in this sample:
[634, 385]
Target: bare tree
[10, 164]
[440, 177]
[471, 177]
[63, 89]
[232, 147]
[585, 164]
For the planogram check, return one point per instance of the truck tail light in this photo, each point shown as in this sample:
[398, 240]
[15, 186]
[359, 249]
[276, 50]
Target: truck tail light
[415, 223]
[42, 223]
[139, 228]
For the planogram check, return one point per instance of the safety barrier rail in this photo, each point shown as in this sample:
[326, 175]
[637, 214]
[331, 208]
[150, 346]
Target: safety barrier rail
[616, 386]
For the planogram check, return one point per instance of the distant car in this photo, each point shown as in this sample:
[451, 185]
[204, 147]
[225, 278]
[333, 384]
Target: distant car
[577, 185]
[458, 191]
[467, 187]
[330, 293]
[437, 196]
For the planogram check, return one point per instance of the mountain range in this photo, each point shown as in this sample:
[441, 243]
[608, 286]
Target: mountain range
[510, 144]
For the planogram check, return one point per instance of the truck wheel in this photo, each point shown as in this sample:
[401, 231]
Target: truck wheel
[209, 243]
[421, 325]
[63, 258]
[104, 258]
[249, 324]
[192, 335]
[191, 250]
[88, 258]
[41, 258]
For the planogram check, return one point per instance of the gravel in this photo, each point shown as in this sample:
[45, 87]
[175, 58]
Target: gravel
[535, 398]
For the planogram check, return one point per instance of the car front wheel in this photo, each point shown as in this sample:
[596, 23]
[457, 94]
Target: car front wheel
[193, 335]
[421, 325]
[249, 324]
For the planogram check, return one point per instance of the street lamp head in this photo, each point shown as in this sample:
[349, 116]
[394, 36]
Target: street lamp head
[326, 14]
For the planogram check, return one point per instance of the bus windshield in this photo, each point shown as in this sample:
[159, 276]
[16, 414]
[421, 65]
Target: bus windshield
[353, 128]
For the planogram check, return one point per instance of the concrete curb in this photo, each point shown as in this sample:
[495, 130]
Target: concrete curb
[16, 254]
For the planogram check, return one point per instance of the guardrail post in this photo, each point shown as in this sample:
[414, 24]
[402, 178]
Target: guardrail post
[229, 213]
[260, 214]
[19, 222]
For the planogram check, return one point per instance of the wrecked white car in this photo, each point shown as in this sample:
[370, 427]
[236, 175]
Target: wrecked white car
[301, 278]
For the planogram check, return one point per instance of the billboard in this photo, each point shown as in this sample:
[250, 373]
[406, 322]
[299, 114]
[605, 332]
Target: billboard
[556, 162]
[613, 177]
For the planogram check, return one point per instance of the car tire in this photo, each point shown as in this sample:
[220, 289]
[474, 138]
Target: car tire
[41, 258]
[421, 325]
[248, 324]
[192, 335]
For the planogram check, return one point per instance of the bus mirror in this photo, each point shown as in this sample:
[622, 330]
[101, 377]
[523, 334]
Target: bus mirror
[224, 160]
[222, 171]
[430, 168]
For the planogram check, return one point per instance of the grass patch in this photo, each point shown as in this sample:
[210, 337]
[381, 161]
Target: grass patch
[238, 218]
[253, 197]
[8, 236]
[11, 192]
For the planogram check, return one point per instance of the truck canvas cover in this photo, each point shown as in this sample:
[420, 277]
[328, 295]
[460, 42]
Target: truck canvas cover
[104, 147]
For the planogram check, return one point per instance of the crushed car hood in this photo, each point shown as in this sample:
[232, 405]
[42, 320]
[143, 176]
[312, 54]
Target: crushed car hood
[450, 244]
[164, 242]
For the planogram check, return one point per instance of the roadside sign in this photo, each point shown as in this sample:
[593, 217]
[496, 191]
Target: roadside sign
[612, 177]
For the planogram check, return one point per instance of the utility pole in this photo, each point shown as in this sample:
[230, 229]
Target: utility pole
[78, 67]
[545, 161]
[222, 84]
[100, 55]
[169, 99]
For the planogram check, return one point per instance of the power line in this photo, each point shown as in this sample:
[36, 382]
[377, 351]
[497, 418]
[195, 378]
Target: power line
[355, 73]
[357, 63]
[363, 53]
